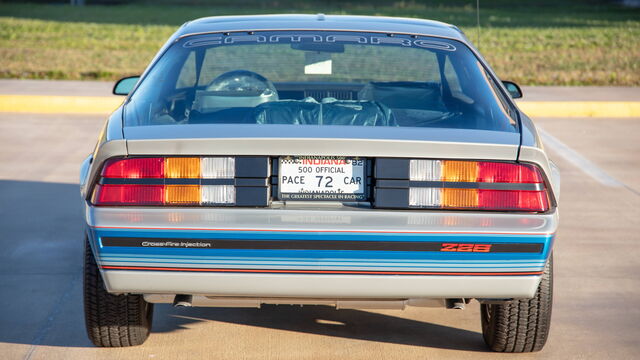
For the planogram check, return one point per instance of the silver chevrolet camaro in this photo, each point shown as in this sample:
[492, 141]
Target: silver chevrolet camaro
[358, 162]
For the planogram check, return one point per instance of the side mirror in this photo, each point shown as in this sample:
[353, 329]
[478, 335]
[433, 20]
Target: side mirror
[125, 85]
[513, 89]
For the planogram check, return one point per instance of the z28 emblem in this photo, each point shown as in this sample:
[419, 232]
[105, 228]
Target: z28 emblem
[466, 247]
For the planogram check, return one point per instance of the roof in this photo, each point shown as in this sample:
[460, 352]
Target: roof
[320, 22]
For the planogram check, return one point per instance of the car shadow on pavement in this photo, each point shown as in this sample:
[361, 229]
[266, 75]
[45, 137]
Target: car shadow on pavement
[327, 321]
[41, 239]
[41, 252]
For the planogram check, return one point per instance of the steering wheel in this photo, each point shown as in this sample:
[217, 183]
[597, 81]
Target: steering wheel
[242, 82]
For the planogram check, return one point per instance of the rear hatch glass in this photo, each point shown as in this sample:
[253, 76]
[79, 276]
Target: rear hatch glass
[320, 78]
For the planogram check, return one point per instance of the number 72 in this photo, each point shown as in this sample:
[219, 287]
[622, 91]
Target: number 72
[328, 181]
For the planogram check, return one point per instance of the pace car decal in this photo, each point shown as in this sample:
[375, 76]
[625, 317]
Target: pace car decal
[316, 38]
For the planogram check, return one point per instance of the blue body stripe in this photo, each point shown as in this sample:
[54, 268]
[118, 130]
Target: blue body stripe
[190, 257]
[315, 265]
[404, 261]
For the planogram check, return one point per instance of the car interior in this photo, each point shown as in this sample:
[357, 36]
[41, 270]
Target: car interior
[371, 104]
[247, 97]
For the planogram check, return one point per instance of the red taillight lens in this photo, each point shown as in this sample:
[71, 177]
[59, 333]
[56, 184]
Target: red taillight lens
[136, 168]
[128, 195]
[508, 173]
[515, 200]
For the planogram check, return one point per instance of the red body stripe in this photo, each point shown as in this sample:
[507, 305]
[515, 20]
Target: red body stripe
[108, 267]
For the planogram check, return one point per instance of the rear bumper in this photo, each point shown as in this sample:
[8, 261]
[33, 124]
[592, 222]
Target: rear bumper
[338, 252]
[321, 286]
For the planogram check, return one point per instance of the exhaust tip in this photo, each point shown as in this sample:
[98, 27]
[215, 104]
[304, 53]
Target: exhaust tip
[182, 300]
[457, 304]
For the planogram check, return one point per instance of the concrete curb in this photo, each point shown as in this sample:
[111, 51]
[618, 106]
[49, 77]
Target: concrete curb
[606, 109]
[44, 104]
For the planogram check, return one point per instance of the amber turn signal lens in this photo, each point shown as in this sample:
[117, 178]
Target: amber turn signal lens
[182, 194]
[463, 171]
[459, 198]
[182, 167]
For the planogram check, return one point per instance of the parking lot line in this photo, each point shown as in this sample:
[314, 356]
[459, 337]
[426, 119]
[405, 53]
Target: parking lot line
[579, 161]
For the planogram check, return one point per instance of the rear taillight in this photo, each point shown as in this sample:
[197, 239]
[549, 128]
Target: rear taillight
[111, 194]
[177, 181]
[481, 185]
[136, 168]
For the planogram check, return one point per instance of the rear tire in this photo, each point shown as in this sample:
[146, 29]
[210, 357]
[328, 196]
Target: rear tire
[112, 320]
[520, 325]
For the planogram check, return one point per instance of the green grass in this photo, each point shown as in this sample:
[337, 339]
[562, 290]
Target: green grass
[545, 42]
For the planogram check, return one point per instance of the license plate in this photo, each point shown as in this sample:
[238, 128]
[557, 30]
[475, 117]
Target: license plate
[322, 178]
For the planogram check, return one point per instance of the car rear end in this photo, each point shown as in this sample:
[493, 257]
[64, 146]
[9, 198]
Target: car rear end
[301, 198]
[423, 228]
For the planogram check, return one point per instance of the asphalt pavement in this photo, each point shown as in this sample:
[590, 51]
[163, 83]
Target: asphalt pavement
[597, 262]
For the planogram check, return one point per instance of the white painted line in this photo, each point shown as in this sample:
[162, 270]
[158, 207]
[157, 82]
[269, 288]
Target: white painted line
[579, 161]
